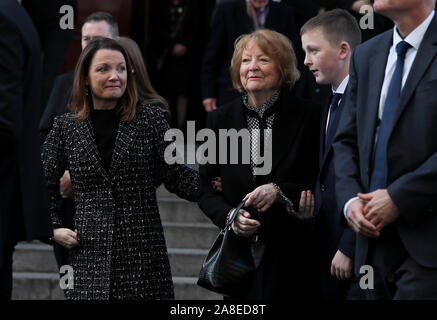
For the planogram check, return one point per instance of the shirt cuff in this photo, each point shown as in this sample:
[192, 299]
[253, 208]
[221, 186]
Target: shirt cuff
[347, 206]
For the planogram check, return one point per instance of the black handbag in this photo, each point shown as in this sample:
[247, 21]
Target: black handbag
[230, 263]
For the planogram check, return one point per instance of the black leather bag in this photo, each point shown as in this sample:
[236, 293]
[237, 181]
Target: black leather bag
[229, 265]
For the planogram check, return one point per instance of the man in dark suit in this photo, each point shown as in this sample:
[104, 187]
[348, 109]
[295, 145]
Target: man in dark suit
[98, 24]
[328, 41]
[387, 152]
[230, 20]
[24, 211]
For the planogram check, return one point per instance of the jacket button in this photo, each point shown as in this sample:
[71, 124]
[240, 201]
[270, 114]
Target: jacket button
[323, 187]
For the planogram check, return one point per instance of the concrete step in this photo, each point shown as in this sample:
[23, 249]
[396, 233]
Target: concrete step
[45, 286]
[39, 258]
[178, 210]
[186, 262]
[186, 288]
[36, 286]
[189, 235]
[34, 257]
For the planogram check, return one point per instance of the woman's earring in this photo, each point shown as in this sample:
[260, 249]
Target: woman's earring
[87, 91]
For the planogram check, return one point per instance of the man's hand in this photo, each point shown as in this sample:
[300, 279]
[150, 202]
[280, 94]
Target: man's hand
[65, 237]
[341, 266]
[65, 185]
[357, 221]
[379, 210]
[210, 104]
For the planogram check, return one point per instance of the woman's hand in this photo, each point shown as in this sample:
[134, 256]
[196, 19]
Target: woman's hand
[65, 237]
[262, 197]
[65, 185]
[243, 225]
[217, 184]
[306, 205]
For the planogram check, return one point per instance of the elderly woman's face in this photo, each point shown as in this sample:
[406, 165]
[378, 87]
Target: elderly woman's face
[107, 75]
[258, 71]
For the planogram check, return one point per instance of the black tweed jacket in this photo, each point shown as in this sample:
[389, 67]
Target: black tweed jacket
[122, 252]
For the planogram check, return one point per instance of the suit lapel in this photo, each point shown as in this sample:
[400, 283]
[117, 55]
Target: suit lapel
[333, 130]
[424, 57]
[88, 141]
[127, 130]
[323, 119]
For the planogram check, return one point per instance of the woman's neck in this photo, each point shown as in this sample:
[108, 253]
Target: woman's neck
[257, 99]
[104, 104]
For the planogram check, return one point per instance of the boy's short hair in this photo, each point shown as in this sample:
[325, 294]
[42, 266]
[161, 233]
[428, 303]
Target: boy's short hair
[104, 16]
[337, 25]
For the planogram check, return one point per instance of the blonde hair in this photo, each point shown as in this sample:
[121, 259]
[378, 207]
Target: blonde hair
[275, 45]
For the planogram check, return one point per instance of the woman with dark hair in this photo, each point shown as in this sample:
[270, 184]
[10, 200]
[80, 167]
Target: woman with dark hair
[277, 215]
[113, 146]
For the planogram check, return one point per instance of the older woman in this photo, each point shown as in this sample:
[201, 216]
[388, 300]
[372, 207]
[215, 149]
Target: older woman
[264, 70]
[113, 147]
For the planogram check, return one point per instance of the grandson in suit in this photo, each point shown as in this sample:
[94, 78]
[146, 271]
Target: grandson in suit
[328, 40]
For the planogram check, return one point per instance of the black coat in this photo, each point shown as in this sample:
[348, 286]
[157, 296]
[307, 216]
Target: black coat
[287, 267]
[23, 206]
[59, 99]
[122, 252]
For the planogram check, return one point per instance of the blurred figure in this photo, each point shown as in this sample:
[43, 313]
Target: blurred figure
[113, 145]
[175, 32]
[55, 41]
[24, 211]
[263, 70]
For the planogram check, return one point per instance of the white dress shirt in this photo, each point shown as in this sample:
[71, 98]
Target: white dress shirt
[414, 39]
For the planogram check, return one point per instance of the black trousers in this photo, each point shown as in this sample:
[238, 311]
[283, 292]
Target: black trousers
[6, 272]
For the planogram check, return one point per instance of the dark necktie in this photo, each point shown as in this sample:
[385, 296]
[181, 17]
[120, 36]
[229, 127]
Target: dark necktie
[332, 114]
[378, 179]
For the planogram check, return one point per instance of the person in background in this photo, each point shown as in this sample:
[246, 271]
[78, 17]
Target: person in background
[264, 70]
[24, 213]
[113, 145]
[175, 31]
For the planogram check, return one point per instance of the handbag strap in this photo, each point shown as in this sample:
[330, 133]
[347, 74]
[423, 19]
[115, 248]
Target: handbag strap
[234, 215]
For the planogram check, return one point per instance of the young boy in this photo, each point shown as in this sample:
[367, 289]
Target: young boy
[328, 40]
